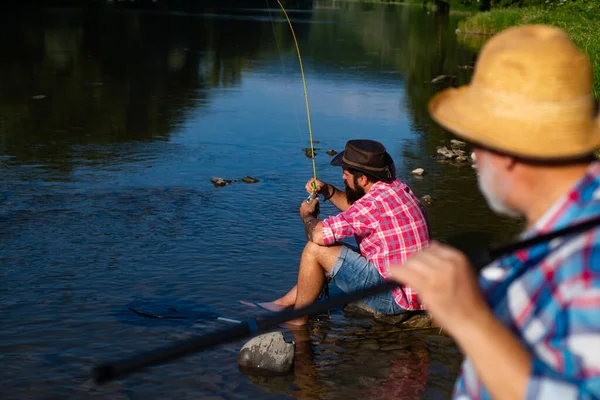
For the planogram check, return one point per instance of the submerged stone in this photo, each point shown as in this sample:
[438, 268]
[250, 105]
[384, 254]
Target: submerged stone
[441, 78]
[268, 353]
[331, 152]
[309, 153]
[418, 171]
[248, 179]
[427, 199]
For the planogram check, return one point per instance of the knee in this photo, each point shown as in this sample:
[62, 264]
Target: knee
[311, 249]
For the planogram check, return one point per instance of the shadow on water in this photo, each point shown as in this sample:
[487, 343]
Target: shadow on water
[164, 311]
[112, 122]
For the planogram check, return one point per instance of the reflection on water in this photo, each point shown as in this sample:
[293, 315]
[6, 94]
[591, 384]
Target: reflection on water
[113, 121]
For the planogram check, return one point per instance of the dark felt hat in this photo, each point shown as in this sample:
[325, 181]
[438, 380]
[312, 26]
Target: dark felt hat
[368, 156]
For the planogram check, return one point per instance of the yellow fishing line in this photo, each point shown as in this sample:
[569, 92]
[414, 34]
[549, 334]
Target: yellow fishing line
[305, 93]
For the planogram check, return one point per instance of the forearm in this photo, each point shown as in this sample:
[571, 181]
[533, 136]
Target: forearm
[313, 229]
[338, 199]
[500, 360]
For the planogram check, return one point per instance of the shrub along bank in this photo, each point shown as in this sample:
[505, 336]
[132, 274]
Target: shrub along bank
[579, 18]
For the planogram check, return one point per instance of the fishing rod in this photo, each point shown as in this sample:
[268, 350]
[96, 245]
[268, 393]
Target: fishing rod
[313, 195]
[478, 257]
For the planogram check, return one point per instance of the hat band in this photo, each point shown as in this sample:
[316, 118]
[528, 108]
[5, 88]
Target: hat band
[385, 169]
[345, 160]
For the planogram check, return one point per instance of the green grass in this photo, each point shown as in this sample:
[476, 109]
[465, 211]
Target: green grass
[582, 27]
[456, 6]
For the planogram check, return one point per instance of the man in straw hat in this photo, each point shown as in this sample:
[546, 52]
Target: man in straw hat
[380, 212]
[530, 326]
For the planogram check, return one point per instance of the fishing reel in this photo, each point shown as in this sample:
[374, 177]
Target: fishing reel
[310, 199]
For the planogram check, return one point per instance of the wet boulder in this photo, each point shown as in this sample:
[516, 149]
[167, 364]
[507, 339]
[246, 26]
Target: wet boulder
[219, 182]
[454, 154]
[268, 353]
[457, 143]
[445, 152]
[331, 152]
[410, 319]
[418, 172]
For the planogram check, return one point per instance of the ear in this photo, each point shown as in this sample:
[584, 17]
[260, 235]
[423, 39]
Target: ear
[363, 181]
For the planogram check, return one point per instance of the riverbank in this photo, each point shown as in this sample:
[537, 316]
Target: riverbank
[581, 25]
[456, 7]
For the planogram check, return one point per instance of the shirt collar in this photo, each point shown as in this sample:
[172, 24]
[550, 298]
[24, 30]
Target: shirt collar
[564, 210]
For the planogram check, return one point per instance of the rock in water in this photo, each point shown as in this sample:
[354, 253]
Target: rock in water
[418, 172]
[441, 78]
[267, 353]
[331, 152]
[248, 179]
[310, 153]
[457, 143]
[445, 152]
[219, 182]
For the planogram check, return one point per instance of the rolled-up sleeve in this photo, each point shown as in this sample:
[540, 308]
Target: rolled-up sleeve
[358, 219]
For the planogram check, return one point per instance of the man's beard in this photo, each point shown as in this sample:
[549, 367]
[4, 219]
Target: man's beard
[494, 188]
[354, 194]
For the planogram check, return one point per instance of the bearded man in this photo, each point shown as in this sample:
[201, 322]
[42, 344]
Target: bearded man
[529, 325]
[380, 212]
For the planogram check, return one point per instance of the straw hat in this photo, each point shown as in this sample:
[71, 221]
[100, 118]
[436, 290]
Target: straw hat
[530, 96]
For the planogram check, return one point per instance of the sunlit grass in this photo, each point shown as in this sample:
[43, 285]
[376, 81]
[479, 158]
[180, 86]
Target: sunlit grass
[582, 28]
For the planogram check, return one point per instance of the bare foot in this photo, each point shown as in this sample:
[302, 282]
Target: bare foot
[269, 306]
[295, 323]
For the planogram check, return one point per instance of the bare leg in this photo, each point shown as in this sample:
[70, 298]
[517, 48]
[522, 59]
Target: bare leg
[314, 262]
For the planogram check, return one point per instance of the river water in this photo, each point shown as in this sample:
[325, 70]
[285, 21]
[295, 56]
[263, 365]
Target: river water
[112, 123]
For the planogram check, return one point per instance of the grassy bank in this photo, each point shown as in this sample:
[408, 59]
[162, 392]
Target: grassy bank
[456, 6]
[581, 23]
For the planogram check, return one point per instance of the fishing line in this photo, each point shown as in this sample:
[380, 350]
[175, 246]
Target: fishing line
[312, 149]
[284, 73]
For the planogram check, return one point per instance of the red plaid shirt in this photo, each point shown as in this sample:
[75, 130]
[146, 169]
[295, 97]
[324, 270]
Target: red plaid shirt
[389, 226]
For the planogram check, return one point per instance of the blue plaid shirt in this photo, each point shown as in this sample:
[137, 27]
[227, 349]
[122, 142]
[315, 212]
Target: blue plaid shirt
[549, 297]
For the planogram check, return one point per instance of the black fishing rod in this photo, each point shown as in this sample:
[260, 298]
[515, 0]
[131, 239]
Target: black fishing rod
[479, 258]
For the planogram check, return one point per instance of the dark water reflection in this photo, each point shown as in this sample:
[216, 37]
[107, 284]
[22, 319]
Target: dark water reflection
[112, 123]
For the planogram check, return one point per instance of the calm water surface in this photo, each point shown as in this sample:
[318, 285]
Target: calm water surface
[112, 123]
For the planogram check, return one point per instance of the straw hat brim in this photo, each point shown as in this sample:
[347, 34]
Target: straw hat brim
[522, 135]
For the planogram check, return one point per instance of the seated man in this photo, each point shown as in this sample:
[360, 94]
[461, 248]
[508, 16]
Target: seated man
[383, 215]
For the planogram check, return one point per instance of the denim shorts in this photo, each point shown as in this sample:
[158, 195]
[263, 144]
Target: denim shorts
[352, 272]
